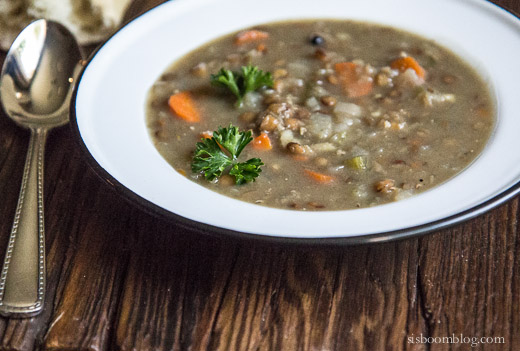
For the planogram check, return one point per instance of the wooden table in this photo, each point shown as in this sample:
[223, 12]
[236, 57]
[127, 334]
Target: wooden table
[119, 278]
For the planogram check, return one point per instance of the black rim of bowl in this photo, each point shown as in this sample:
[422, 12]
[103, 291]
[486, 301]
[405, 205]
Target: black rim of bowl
[204, 228]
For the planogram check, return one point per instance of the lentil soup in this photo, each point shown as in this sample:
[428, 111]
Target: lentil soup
[355, 115]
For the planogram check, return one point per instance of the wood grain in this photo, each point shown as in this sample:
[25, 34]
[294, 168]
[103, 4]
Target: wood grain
[121, 279]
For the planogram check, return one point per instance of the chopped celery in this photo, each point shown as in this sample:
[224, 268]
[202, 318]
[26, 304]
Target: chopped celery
[358, 162]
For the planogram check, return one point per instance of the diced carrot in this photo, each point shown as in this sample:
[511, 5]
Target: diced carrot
[354, 84]
[249, 36]
[206, 134]
[319, 177]
[261, 47]
[300, 158]
[262, 142]
[346, 71]
[183, 106]
[404, 63]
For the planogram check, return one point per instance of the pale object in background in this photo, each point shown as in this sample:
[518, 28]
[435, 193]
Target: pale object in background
[89, 20]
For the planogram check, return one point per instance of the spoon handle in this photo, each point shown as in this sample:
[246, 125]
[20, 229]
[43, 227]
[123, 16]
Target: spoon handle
[22, 281]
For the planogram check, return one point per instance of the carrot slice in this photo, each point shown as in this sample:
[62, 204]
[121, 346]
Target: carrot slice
[319, 177]
[354, 84]
[183, 106]
[262, 142]
[249, 36]
[404, 63]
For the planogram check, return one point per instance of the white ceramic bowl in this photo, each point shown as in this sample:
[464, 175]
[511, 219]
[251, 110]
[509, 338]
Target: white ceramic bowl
[108, 114]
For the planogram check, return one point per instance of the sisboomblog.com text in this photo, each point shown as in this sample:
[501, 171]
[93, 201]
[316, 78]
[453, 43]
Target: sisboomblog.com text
[455, 339]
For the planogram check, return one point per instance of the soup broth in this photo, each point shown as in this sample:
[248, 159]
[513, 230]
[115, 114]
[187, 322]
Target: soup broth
[357, 115]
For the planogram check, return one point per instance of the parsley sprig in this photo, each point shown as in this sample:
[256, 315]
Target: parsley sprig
[211, 160]
[250, 78]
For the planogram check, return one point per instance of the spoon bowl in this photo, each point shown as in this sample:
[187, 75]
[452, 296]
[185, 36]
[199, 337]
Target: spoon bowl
[37, 75]
[36, 84]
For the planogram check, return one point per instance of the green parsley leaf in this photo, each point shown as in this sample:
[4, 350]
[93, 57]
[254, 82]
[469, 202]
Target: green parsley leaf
[232, 140]
[249, 79]
[245, 172]
[226, 78]
[255, 78]
[210, 159]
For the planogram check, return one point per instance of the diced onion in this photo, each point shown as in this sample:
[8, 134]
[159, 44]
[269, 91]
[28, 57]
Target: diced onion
[312, 103]
[347, 109]
[320, 125]
[287, 137]
[433, 98]
[409, 78]
[318, 91]
[252, 100]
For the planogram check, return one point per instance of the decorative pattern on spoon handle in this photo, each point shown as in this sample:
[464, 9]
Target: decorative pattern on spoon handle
[22, 280]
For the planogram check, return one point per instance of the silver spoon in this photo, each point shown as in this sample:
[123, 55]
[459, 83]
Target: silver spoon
[35, 90]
